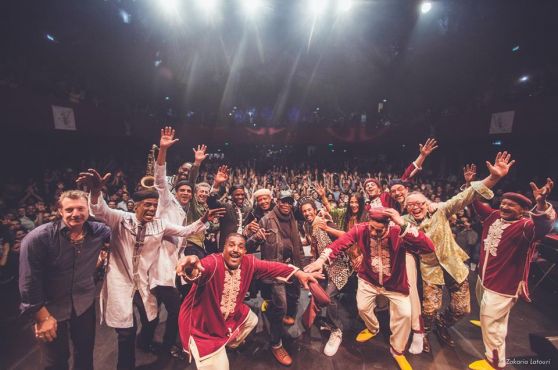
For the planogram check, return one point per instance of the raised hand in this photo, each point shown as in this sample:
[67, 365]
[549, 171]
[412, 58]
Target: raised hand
[540, 194]
[469, 172]
[189, 267]
[167, 138]
[93, 180]
[199, 154]
[319, 189]
[501, 166]
[428, 147]
[222, 175]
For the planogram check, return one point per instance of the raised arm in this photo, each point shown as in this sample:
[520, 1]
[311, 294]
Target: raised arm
[199, 157]
[322, 193]
[424, 151]
[543, 215]
[195, 227]
[161, 184]
[99, 207]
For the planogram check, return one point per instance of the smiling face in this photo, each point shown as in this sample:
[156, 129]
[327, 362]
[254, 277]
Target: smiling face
[238, 197]
[398, 193]
[285, 206]
[146, 209]
[417, 206]
[354, 205]
[372, 189]
[202, 192]
[264, 202]
[234, 250]
[74, 212]
[510, 210]
[183, 171]
[308, 212]
[184, 194]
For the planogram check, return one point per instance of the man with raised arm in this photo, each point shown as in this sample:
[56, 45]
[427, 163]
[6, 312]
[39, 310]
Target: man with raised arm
[135, 243]
[446, 267]
[383, 241]
[213, 315]
[509, 237]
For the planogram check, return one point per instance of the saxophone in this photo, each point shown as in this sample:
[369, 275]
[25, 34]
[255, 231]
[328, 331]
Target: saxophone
[148, 181]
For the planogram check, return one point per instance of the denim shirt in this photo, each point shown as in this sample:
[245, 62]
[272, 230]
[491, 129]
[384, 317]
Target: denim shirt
[57, 274]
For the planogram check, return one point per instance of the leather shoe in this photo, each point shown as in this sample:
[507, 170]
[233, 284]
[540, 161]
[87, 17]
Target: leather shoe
[443, 335]
[289, 321]
[282, 356]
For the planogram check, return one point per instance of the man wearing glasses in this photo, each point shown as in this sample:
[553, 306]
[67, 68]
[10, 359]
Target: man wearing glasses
[282, 244]
[446, 267]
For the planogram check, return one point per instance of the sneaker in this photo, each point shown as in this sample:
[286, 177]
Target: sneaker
[417, 345]
[364, 336]
[333, 343]
[282, 356]
[401, 361]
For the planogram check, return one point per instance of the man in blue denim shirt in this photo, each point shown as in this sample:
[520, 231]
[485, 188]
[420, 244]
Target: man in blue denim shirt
[57, 268]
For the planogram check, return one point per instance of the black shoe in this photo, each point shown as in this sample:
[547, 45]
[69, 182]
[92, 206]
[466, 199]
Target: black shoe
[177, 353]
[443, 335]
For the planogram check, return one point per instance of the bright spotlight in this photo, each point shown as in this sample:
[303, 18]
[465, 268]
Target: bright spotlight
[125, 16]
[252, 7]
[425, 7]
[317, 7]
[209, 7]
[169, 6]
[524, 78]
[344, 5]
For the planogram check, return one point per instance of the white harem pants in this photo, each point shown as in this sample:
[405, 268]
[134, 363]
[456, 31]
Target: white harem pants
[399, 312]
[219, 359]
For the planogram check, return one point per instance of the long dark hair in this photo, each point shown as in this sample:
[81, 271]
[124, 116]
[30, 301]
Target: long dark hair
[360, 199]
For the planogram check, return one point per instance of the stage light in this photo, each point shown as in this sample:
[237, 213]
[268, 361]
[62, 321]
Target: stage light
[169, 6]
[425, 7]
[49, 37]
[251, 7]
[515, 48]
[524, 78]
[317, 7]
[344, 5]
[209, 7]
[125, 16]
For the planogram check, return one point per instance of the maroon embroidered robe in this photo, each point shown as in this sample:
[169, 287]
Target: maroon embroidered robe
[214, 309]
[383, 264]
[507, 248]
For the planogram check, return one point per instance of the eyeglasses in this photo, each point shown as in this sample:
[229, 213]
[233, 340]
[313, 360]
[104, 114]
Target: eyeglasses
[288, 201]
[415, 204]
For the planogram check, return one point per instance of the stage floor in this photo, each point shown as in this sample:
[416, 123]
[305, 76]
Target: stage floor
[20, 351]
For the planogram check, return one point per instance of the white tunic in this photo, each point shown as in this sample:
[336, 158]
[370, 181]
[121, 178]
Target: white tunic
[118, 288]
[169, 211]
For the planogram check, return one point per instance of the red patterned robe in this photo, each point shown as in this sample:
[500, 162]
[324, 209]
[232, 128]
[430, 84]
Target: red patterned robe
[213, 310]
[383, 264]
[507, 248]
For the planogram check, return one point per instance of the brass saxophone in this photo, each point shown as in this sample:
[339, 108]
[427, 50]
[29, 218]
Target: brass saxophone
[148, 181]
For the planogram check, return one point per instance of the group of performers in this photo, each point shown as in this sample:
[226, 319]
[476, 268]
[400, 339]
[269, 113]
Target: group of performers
[388, 237]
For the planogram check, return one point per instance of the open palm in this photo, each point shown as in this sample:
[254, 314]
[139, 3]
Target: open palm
[501, 166]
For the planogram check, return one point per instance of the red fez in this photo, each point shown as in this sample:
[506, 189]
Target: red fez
[375, 181]
[378, 214]
[520, 199]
